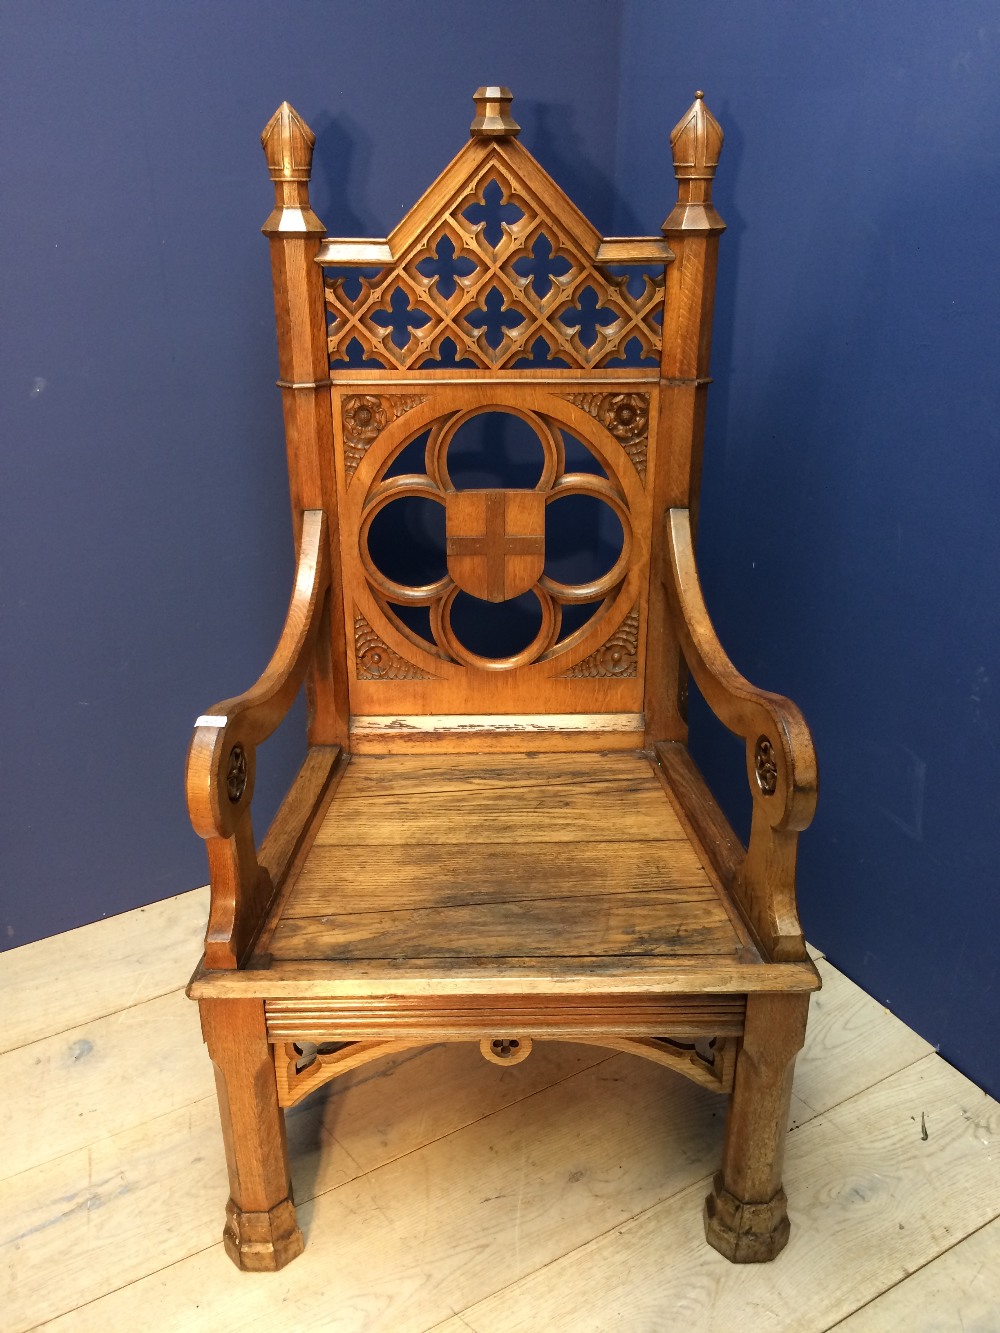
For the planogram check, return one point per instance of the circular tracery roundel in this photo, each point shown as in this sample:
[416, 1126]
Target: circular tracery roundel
[494, 542]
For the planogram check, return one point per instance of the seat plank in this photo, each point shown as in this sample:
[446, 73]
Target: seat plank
[557, 795]
[428, 875]
[637, 810]
[430, 774]
[658, 923]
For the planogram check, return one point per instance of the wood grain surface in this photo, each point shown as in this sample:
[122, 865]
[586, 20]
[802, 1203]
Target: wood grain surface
[116, 1225]
[475, 857]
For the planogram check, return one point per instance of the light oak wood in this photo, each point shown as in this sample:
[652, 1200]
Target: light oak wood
[94, 1219]
[221, 766]
[261, 1232]
[781, 762]
[421, 875]
[463, 733]
[877, 1200]
[640, 812]
[445, 776]
[100, 1077]
[74, 978]
[655, 924]
[405, 1257]
[686, 1017]
[498, 849]
[119, 1221]
[746, 1213]
[294, 235]
[960, 1289]
[481, 979]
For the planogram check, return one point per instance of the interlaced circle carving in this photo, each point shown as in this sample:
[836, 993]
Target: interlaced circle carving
[494, 283]
[765, 766]
[236, 774]
[495, 550]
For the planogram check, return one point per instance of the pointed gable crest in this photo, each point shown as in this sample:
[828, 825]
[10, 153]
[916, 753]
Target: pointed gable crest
[495, 268]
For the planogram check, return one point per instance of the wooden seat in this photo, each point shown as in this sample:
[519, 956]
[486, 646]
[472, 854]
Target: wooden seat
[515, 846]
[519, 866]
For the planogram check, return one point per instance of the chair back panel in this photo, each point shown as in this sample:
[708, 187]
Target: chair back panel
[495, 295]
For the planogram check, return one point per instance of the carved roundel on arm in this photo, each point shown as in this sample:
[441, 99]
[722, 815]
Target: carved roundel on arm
[495, 542]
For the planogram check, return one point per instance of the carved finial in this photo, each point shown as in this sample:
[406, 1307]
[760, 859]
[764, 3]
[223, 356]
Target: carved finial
[696, 143]
[493, 119]
[288, 145]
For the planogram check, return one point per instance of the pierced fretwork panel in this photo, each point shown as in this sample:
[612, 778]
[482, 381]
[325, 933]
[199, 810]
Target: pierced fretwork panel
[494, 552]
[494, 283]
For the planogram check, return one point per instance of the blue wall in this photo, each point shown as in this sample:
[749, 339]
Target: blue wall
[144, 484]
[850, 541]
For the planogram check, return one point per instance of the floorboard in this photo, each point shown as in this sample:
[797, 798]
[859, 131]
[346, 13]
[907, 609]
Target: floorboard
[869, 1200]
[958, 1290]
[83, 974]
[439, 1192]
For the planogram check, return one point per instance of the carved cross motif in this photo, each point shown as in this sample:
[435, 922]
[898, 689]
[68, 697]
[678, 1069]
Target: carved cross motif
[542, 268]
[493, 215]
[588, 317]
[502, 283]
[494, 319]
[495, 541]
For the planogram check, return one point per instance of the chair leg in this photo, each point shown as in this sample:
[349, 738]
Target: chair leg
[261, 1233]
[745, 1215]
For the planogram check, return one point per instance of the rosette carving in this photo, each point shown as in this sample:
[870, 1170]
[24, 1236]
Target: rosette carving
[617, 657]
[365, 417]
[375, 660]
[625, 416]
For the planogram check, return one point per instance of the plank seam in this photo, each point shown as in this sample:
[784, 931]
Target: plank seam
[913, 1272]
[94, 1018]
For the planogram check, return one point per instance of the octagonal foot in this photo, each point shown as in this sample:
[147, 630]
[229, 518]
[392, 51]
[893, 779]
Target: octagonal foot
[262, 1242]
[746, 1233]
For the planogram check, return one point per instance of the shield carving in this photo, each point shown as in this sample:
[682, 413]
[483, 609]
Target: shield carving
[495, 541]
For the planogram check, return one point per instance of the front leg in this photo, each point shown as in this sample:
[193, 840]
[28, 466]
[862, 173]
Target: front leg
[261, 1233]
[746, 1218]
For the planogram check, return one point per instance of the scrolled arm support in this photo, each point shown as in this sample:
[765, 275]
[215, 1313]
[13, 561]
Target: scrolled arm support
[781, 760]
[221, 761]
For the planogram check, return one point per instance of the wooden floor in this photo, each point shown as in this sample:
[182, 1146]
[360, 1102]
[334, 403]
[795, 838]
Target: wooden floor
[438, 1191]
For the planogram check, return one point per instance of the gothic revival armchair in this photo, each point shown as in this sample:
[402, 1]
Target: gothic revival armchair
[514, 846]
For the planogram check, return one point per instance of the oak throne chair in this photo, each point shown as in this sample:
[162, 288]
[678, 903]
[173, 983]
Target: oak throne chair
[498, 849]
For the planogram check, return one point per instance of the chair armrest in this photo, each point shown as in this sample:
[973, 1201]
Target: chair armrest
[221, 762]
[780, 758]
[217, 790]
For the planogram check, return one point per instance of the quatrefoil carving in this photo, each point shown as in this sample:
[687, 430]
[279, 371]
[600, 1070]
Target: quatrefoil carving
[495, 543]
[494, 281]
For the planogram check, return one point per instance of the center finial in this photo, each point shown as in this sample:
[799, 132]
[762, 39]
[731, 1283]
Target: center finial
[493, 119]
